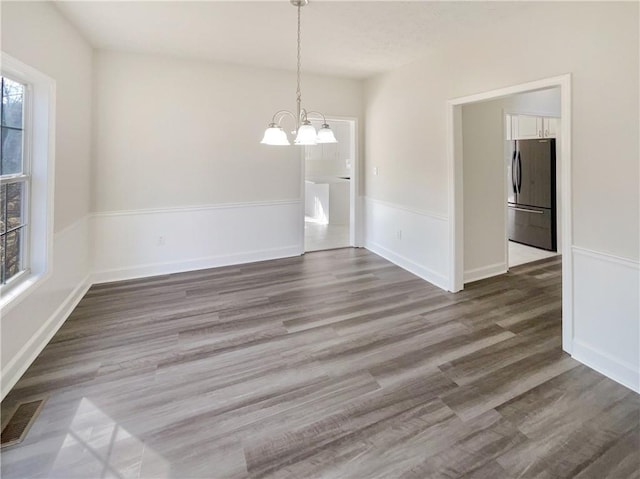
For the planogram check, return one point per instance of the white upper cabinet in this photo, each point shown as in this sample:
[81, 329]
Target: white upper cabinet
[527, 127]
[550, 127]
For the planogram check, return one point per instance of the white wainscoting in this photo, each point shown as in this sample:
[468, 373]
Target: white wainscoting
[415, 240]
[28, 326]
[606, 326]
[134, 244]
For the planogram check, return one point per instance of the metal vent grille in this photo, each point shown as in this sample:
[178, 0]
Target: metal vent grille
[21, 420]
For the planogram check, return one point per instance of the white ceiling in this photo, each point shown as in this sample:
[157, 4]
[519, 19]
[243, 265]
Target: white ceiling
[346, 38]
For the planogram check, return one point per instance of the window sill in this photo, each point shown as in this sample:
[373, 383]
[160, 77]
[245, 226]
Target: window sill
[21, 291]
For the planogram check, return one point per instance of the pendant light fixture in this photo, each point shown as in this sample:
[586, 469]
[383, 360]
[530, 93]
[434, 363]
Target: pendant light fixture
[305, 132]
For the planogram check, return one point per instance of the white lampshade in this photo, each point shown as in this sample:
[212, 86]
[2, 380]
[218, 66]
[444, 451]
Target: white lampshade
[275, 136]
[306, 135]
[325, 135]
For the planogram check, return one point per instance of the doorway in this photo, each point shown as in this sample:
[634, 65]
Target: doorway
[456, 187]
[330, 176]
[511, 182]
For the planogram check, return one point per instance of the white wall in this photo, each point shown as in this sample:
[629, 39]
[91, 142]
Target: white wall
[177, 141]
[406, 140]
[36, 34]
[536, 103]
[484, 147]
[483, 195]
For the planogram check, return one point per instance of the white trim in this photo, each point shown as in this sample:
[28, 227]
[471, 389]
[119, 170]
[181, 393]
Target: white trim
[16, 367]
[188, 209]
[485, 272]
[566, 195]
[621, 372]
[405, 263]
[629, 263]
[454, 200]
[454, 162]
[155, 269]
[355, 212]
[428, 214]
[514, 89]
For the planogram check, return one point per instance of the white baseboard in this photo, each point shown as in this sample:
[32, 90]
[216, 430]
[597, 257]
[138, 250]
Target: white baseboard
[485, 272]
[146, 270]
[17, 366]
[405, 263]
[622, 373]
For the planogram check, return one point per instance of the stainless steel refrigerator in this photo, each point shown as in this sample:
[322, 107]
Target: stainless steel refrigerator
[532, 193]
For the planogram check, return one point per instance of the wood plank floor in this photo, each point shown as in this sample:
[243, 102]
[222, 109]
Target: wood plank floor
[336, 364]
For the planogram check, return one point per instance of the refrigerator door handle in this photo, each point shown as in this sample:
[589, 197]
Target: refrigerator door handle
[513, 172]
[526, 210]
[519, 173]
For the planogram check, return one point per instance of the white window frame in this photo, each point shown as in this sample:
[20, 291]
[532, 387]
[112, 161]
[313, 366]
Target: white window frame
[39, 145]
[25, 178]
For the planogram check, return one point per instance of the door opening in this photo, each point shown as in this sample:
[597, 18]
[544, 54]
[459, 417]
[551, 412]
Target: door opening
[330, 171]
[457, 184]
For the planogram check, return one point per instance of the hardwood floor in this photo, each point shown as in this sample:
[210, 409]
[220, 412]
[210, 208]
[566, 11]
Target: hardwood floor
[336, 364]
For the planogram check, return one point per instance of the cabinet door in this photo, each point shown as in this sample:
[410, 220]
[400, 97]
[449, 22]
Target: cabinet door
[527, 127]
[508, 135]
[550, 127]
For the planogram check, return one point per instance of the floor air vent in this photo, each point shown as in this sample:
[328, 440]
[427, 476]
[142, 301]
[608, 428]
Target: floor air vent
[21, 420]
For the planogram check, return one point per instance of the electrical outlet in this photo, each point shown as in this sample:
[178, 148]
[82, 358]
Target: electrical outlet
[161, 240]
[375, 171]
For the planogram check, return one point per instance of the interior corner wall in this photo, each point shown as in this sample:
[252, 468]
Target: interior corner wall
[180, 179]
[37, 35]
[483, 191]
[406, 142]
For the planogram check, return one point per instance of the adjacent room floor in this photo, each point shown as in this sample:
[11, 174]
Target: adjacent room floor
[521, 254]
[318, 236]
[335, 364]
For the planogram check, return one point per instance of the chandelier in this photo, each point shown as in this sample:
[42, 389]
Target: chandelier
[305, 132]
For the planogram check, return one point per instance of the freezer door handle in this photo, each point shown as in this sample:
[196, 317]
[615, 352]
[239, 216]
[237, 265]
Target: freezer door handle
[526, 210]
[519, 173]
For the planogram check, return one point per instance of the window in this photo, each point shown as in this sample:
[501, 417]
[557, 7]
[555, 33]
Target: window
[14, 184]
[27, 163]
